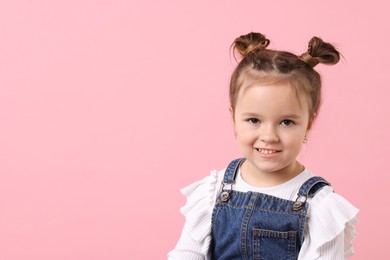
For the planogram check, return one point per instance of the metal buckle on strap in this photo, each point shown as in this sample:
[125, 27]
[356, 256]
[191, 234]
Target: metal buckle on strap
[225, 194]
[299, 202]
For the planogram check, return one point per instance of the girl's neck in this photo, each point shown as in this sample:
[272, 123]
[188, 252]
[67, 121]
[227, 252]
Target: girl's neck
[254, 177]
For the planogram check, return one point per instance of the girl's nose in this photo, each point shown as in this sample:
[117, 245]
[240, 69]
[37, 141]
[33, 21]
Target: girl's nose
[268, 134]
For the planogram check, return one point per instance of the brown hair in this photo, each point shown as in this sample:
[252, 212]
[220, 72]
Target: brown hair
[261, 65]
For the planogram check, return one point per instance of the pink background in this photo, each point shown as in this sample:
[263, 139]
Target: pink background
[108, 108]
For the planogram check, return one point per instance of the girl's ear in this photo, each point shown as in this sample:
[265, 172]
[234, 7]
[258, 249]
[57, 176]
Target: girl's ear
[311, 121]
[231, 110]
[231, 113]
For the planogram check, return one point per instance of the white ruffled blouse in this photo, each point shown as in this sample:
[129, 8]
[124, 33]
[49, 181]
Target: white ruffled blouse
[329, 231]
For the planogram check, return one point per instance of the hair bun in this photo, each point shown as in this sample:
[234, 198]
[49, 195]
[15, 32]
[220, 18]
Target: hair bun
[320, 52]
[250, 42]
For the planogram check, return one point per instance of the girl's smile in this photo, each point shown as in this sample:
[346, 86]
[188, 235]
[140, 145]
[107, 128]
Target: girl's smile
[271, 124]
[267, 153]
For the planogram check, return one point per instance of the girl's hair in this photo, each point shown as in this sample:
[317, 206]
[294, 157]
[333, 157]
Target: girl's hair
[263, 66]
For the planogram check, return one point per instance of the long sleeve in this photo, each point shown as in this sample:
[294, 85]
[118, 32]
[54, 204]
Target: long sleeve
[330, 228]
[195, 239]
[187, 248]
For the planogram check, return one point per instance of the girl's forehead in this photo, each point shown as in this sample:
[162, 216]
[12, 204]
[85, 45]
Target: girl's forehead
[260, 91]
[279, 97]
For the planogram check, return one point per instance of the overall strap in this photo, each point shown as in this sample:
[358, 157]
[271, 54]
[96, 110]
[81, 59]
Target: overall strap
[231, 171]
[229, 179]
[308, 189]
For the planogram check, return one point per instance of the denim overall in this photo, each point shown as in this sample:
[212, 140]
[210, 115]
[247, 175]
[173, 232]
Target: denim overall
[253, 225]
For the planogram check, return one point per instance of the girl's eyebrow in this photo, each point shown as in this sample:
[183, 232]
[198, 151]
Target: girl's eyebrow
[249, 114]
[291, 116]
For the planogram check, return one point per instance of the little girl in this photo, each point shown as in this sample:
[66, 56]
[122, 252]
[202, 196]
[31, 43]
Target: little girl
[267, 205]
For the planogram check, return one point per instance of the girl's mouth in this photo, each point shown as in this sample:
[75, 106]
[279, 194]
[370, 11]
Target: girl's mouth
[267, 151]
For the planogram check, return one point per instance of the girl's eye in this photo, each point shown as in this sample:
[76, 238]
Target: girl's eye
[287, 122]
[254, 121]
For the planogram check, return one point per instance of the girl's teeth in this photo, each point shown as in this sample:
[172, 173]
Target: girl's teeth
[266, 151]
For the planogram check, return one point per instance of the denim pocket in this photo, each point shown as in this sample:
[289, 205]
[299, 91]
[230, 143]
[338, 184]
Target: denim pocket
[270, 244]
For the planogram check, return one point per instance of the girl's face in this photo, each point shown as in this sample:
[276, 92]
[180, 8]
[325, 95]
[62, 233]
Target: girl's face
[271, 125]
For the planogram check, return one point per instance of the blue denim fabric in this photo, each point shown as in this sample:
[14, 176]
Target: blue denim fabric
[252, 225]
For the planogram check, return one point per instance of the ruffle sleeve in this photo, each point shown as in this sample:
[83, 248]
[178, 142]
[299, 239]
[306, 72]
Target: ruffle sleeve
[199, 207]
[330, 216]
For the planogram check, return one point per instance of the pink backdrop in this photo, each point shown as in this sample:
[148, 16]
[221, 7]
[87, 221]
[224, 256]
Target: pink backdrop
[108, 108]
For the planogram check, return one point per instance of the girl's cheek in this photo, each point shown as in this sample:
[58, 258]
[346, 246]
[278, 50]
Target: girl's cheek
[248, 136]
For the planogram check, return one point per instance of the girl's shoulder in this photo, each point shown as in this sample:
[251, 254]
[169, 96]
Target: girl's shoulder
[330, 216]
[200, 200]
[203, 190]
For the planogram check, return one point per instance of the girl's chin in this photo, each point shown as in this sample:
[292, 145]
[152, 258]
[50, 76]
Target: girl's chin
[272, 168]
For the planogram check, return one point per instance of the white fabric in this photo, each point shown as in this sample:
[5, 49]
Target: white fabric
[329, 231]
